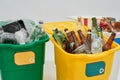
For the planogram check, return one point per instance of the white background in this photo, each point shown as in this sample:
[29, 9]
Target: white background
[57, 10]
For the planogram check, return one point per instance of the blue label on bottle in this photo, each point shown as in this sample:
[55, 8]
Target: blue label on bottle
[94, 69]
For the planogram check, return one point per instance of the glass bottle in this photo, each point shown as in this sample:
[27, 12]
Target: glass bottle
[99, 30]
[61, 39]
[81, 26]
[96, 37]
[70, 38]
[89, 37]
[109, 42]
[85, 41]
[96, 45]
[76, 41]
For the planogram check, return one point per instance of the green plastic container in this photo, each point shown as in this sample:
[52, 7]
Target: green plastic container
[23, 62]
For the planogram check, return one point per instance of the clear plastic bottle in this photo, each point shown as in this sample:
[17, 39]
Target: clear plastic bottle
[38, 33]
[1, 32]
[30, 26]
[8, 38]
[35, 34]
[21, 36]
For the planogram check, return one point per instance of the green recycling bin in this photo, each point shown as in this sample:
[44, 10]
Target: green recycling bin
[23, 62]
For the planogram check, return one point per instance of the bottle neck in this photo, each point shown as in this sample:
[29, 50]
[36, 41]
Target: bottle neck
[94, 22]
[73, 34]
[77, 43]
[81, 35]
[66, 30]
[69, 35]
[111, 38]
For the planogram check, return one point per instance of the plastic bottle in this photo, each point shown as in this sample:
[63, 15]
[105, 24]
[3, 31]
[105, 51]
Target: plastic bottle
[1, 32]
[35, 34]
[43, 33]
[38, 33]
[14, 26]
[8, 38]
[21, 36]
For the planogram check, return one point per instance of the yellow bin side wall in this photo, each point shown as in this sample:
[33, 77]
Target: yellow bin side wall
[74, 69]
[73, 66]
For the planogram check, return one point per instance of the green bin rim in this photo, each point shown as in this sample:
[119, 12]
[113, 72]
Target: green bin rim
[46, 38]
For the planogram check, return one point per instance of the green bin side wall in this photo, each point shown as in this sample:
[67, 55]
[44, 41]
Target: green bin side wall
[11, 71]
[28, 74]
[7, 57]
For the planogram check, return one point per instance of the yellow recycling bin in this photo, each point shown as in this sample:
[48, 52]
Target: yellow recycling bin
[80, 66]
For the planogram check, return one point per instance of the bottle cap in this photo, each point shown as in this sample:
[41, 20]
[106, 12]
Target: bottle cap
[89, 31]
[66, 30]
[41, 22]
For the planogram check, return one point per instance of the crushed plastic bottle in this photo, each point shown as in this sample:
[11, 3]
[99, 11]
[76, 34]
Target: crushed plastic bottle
[10, 32]
[8, 38]
[21, 36]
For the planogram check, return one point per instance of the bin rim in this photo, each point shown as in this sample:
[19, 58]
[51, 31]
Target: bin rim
[86, 56]
[16, 46]
[49, 29]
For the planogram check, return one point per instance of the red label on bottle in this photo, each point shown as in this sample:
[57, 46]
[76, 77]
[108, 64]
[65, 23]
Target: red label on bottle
[86, 21]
